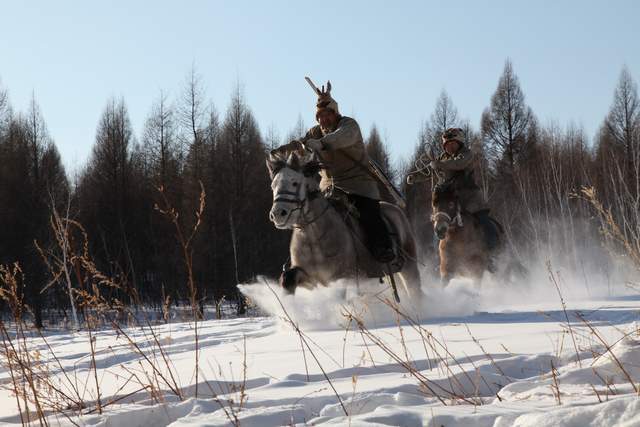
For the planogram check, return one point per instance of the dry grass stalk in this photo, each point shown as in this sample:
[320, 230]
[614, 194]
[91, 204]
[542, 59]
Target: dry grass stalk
[482, 378]
[33, 385]
[626, 235]
[487, 355]
[187, 253]
[606, 383]
[233, 407]
[555, 388]
[553, 280]
[608, 349]
[173, 386]
[437, 347]
[303, 338]
[432, 388]
[27, 382]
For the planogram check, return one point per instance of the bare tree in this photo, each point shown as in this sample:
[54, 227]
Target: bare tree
[506, 122]
[108, 193]
[272, 139]
[192, 116]
[159, 141]
[5, 111]
[443, 117]
[379, 153]
[623, 124]
[299, 130]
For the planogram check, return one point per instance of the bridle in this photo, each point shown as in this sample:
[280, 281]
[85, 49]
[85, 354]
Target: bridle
[455, 220]
[295, 198]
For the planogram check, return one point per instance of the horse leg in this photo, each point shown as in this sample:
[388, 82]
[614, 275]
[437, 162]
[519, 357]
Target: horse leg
[445, 279]
[477, 266]
[447, 267]
[290, 279]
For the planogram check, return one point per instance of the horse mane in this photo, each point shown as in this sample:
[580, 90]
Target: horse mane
[442, 191]
[306, 164]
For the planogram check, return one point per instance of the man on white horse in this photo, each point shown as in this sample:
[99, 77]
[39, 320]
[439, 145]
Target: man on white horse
[338, 142]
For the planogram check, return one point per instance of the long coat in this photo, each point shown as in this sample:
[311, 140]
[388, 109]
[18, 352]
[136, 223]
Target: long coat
[346, 160]
[457, 169]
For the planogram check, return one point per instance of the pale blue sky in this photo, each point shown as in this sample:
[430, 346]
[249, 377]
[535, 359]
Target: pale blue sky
[388, 61]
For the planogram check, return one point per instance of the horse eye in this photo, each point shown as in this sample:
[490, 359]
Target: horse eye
[295, 184]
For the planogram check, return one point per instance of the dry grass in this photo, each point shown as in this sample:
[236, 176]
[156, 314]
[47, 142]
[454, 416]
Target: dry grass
[305, 344]
[185, 241]
[623, 232]
[41, 393]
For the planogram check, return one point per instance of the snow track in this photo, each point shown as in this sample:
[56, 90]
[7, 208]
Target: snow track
[498, 362]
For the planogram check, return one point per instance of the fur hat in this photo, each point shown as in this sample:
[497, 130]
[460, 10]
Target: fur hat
[453, 134]
[325, 101]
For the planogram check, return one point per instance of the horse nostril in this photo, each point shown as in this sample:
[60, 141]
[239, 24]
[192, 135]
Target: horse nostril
[283, 212]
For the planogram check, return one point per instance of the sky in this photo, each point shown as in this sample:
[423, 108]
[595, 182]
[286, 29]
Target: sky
[387, 61]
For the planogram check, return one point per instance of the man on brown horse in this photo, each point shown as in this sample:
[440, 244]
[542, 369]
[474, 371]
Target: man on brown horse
[454, 167]
[338, 142]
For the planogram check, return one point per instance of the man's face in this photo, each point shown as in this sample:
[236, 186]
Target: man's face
[451, 146]
[328, 120]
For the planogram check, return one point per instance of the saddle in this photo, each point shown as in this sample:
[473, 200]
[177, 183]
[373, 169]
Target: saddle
[351, 216]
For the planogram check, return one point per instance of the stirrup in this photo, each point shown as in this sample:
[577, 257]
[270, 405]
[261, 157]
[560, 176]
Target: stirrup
[393, 284]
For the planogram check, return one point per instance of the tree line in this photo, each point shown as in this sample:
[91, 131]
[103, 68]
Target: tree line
[531, 175]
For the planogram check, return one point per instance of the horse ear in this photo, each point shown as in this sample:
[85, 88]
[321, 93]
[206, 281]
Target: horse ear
[293, 162]
[274, 163]
[272, 167]
[273, 157]
[328, 87]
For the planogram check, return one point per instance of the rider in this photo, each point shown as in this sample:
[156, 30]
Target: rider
[454, 166]
[338, 142]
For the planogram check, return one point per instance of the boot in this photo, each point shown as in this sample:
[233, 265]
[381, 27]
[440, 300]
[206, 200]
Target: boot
[383, 253]
[376, 237]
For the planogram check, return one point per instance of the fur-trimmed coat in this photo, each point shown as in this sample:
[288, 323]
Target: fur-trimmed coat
[346, 159]
[458, 169]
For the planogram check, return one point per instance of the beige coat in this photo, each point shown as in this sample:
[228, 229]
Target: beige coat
[346, 160]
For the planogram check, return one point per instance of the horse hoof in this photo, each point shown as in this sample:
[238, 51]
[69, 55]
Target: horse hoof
[288, 281]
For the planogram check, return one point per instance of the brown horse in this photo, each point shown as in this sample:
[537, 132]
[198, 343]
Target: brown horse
[463, 247]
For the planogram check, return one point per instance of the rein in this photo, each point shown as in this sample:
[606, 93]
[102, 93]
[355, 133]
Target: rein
[457, 220]
[299, 203]
[313, 195]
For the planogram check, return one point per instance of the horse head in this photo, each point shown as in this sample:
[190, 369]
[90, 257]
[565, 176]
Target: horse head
[446, 208]
[293, 181]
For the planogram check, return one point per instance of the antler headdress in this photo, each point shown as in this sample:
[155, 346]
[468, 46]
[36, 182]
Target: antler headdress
[325, 101]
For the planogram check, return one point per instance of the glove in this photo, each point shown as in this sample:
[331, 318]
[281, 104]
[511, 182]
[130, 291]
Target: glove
[314, 144]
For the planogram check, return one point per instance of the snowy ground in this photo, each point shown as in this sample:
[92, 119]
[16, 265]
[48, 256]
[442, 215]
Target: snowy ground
[487, 362]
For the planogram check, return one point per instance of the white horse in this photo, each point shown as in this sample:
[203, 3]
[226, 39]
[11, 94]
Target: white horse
[327, 243]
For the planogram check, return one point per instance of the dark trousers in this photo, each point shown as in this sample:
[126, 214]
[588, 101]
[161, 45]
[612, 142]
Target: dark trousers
[375, 230]
[489, 227]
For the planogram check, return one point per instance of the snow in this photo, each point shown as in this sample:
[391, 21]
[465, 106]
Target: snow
[496, 347]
